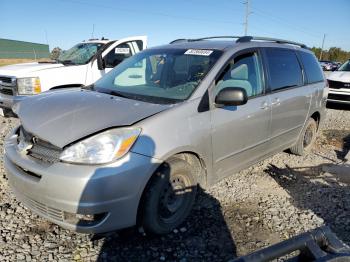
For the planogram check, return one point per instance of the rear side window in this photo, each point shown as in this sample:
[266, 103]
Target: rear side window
[284, 69]
[312, 68]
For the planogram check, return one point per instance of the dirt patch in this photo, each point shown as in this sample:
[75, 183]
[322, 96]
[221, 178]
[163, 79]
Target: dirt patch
[337, 138]
[4, 62]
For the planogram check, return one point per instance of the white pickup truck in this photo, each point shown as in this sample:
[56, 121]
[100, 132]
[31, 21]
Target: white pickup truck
[81, 65]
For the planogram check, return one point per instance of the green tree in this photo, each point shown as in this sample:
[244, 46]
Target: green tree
[317, 51]
[332, 54]
[55, 53]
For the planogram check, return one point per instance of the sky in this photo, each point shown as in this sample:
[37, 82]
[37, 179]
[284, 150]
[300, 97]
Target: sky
[64, 23]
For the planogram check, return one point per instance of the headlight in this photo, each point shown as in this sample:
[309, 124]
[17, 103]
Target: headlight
[28, 86]
[102, 148]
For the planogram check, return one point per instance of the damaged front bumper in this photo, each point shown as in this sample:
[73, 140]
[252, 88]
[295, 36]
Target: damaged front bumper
[82, 198]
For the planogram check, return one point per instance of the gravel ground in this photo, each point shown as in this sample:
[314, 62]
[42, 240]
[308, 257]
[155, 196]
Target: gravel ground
[278, 198]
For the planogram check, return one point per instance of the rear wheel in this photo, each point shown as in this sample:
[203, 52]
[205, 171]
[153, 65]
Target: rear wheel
[169, 197]
[306, 139]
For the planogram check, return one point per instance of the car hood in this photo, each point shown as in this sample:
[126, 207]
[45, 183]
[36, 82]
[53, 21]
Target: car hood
[25, 69]
[65, 116]
[342, 76]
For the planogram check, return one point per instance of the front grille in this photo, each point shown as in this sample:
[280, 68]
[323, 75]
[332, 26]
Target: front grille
[338, 84]
[339, 97]
[5, 79]
[6, 91]
[42, 209]
[45, 151]
[41, 150]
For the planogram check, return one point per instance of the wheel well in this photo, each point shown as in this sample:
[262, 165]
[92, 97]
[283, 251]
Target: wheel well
[316, 116]
[199, 166]
[200, 174]
[66, 86]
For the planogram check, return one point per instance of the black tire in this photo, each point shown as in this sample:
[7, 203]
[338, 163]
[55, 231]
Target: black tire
[306, 139]
[169, 197]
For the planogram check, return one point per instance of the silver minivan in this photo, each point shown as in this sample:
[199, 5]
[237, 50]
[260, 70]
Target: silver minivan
[133, 148]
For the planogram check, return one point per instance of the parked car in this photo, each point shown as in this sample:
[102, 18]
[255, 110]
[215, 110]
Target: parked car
[81, 65]
[132, 148]
[334, 66]
[326, 65]
[339, 85]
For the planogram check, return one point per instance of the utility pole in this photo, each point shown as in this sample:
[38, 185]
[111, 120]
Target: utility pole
[324, 37]
[247, 13]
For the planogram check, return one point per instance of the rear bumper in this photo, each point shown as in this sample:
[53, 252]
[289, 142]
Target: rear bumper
[57, 191]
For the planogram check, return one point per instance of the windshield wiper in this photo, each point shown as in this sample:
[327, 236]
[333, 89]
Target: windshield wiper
[48, 62]
[89, 87]
[66, 62]
[114, 93]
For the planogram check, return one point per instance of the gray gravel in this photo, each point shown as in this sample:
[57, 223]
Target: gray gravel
[278, 198]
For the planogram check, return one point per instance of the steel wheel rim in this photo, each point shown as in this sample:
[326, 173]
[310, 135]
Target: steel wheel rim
[173, 199]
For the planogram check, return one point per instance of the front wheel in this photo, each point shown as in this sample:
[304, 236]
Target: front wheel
[306, 139]
[169, 197]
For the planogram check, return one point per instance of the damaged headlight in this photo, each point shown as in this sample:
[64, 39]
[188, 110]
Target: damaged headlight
[102, 148]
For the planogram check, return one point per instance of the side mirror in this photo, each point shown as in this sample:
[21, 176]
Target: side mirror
[231, 96]
[100, 62]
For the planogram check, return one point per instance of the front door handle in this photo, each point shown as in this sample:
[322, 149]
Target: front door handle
[276, 102]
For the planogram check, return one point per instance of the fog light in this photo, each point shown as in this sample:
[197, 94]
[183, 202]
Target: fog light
[84, 219]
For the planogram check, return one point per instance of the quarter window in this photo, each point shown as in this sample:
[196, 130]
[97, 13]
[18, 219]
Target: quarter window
[284, 69]
[312, 68]
[243, 71]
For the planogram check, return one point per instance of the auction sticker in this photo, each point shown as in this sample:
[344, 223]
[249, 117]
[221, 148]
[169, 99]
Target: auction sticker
[201, 52]
[120, 50]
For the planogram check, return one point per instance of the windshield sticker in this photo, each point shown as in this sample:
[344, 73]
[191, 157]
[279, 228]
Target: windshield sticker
[120, 50]
[198, 52]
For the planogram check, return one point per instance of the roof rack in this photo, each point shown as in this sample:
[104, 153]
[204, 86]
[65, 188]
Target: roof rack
[242, 39]
[182, 40]
[269, 39]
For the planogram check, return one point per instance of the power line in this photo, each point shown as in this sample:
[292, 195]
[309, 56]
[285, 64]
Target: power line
[266, 15]
[133, 11]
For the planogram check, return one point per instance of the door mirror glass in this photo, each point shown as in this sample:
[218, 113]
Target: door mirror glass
[231, 96]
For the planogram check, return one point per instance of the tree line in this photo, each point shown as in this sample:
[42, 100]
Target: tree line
[332, 54]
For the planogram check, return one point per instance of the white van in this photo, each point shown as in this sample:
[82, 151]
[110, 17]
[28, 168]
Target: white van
[81, 65]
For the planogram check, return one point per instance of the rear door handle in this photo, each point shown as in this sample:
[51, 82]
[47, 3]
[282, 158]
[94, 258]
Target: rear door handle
[264, 105]
[276, 102]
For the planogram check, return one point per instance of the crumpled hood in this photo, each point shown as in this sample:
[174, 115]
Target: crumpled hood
[65, 116]
[19, 70]
[342, 76]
